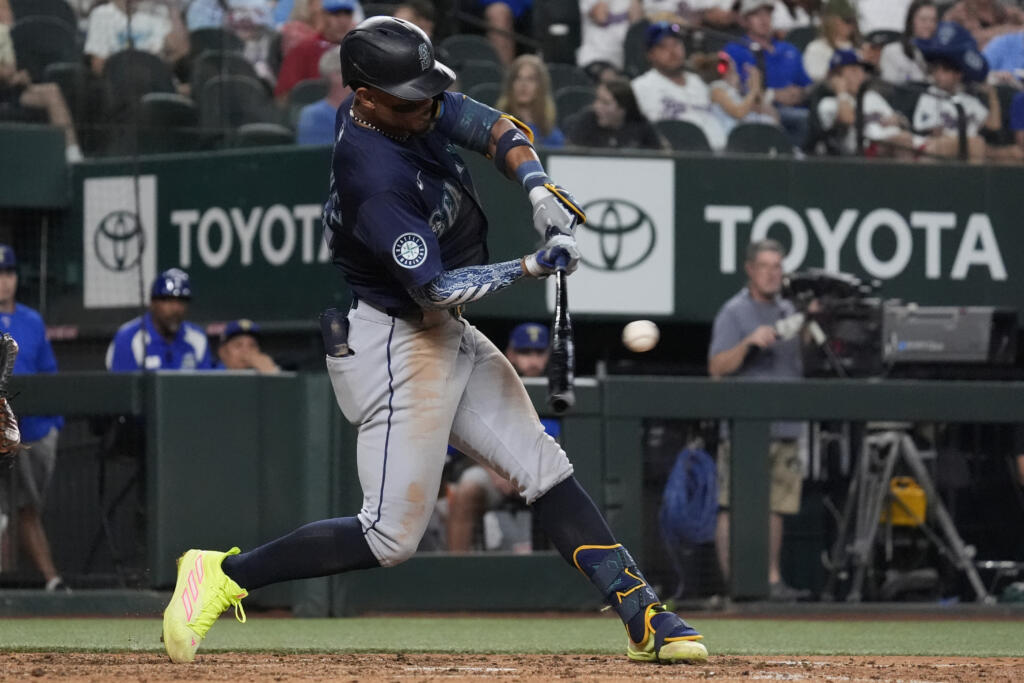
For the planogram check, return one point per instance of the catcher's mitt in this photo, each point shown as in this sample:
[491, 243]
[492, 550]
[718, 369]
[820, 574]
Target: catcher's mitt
[10, 435]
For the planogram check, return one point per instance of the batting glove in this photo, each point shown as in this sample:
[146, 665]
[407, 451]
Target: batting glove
[559, 249]
[10, 435]
[554, 207]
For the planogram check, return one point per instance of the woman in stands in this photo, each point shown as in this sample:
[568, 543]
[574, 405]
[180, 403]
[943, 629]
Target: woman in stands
[902, 61]
[526, 95]
[614, 120]
[838, 32]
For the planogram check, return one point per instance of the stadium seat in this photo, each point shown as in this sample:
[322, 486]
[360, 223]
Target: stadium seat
[461, 49]
[572, 99]
[377, 9]
[488, 93]
[43, 40]
[130, 74]
[801, 36]
[262, 135]
[475, 72]
[305, 92]
[759, 138]
[218, 63]
[684, 136]
[168, 122]
[636, 49]
[556, 25]
[564, 75]
[228, 102]
[58, 9]
[213, 38]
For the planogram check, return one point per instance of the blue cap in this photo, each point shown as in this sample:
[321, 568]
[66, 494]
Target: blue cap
[841, 58]
[7, 259]
[237, 327]
[954, 45]
[660, 29]
[529, 336]
[173, 283]
[339, 5]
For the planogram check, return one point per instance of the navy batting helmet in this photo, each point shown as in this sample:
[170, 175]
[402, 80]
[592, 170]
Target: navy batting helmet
[173, 283]
[395, 56]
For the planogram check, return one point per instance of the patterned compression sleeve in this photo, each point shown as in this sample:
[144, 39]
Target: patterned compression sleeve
[463, 285]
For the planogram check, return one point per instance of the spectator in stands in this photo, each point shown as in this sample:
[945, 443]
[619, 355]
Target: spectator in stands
[239, 349]
[526, 95]
[885, 132]
[668, 92]
[157, 28]
[614, 121]
[732, 99]
[316, 121]
[303, 60]
[902, 62]
[33, 463]
[302, 23]
[953, 60]
[418, 12]
[744, 343]
[985, 19]
[479, 488]
[718, 14]
[791, 14]
[251, 20]
[19, 96]
[838, 32]
[504, 17]
[1005, 56]
[781, 64]
[161, 339]
[604, 24]
[882, 15]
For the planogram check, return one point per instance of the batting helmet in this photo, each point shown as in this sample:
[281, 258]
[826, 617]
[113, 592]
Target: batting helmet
[173, 283]
[395, 56]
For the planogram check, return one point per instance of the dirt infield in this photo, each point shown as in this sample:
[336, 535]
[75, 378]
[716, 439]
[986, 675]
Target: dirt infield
[438, 667]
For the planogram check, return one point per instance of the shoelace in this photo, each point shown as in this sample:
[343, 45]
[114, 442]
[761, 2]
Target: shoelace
[216, 607]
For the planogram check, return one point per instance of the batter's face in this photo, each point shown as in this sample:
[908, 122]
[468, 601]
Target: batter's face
[765, 273]
[168, 314]
[393, 114]
[8, 288]
[528, 362]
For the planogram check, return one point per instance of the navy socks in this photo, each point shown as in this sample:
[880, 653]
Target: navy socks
[330, 546]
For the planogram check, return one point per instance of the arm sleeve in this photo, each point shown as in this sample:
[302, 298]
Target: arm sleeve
[464, 285]
[400, 238]
[466, 122]
[725, 333]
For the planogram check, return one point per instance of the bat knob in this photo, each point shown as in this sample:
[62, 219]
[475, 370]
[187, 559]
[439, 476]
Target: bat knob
[561, 403]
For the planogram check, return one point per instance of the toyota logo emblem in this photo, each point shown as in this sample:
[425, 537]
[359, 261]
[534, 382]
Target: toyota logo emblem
[618, 235]
[119, 241]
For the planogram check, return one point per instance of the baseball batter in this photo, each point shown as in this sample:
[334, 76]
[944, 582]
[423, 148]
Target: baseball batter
[407, 231]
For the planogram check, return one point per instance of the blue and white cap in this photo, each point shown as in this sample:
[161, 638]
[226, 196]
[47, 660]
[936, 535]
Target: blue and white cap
[173, 283]
[529, 337]
[7, 259]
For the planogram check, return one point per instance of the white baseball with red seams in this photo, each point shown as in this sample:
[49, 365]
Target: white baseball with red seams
[640, 336]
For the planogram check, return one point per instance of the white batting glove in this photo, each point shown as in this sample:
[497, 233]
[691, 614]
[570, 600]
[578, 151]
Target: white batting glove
[555, 209]
[559, 249]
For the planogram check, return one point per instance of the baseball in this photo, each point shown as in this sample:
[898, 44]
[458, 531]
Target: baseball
[640, 336]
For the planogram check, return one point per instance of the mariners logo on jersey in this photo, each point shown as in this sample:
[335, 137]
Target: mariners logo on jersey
[410, 250]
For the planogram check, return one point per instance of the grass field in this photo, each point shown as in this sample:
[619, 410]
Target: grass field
[497, 635]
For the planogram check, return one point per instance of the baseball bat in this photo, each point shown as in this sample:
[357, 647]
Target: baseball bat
[562, 362]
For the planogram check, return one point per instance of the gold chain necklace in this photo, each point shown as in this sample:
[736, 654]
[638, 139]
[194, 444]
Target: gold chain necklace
[362, 122]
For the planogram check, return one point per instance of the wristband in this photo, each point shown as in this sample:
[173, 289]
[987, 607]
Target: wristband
[531, 175]
[507, 142]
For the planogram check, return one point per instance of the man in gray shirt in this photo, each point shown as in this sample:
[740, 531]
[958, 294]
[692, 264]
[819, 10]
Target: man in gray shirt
[744, 343]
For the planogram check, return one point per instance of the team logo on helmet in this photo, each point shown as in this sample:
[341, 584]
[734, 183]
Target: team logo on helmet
[424, 57]
[410, 250]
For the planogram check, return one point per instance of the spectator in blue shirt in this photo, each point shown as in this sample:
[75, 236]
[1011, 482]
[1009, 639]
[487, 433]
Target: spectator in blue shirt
[785, 80]
[1005, 56]
[34, 462]
[162, 339]
[316, 121]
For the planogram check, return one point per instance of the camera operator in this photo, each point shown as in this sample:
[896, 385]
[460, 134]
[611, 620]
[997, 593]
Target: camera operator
[745, 342]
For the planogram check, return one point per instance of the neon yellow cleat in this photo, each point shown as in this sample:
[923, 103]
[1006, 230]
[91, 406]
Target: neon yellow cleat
[667, 639]
[202, 593]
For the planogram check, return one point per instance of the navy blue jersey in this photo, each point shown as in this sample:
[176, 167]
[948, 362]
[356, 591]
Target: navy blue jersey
[400, 213]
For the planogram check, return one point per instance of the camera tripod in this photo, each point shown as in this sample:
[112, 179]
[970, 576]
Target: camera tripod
[869, 495]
